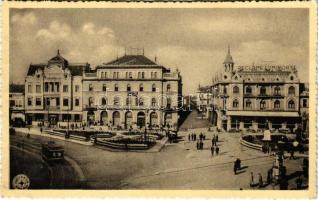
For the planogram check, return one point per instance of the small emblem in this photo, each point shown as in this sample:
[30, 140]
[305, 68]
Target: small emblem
[21, 182]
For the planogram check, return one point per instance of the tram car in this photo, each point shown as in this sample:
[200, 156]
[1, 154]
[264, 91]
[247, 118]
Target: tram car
[52, 152]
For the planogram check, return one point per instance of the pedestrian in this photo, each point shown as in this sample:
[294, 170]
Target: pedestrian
[201, 144]
[260, 180]
[238, 165]
[198, 145]
[216, 138]
[189, 137]
[252, 183]
[213, 140]
[269, 176]
[195, 137]
[212, 150]
[217, 149]
[41, 129]
[235, 167]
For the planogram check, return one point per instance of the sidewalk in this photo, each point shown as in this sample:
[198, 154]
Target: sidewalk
[36, 131]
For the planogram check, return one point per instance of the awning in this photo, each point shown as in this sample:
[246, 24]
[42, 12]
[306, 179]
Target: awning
[263, 113]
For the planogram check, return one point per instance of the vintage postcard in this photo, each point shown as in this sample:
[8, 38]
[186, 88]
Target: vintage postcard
[160, 99]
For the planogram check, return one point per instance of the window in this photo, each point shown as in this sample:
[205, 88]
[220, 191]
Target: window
[248, 104]
[127, 75]
[141, 87]
[116, 101]
[142, 74]
[57, 85]
[102, 75]
[277, 90]
[248, 90]
[153, 87]
[114, 75]
[263, 90]
[291, 78]
[57, 102]
[128, 101]
[46, 87]
[236, 90]
[90, 101]
[52, 87]
[141, 101]
[12, 103]
[153, 102]
[48, 101]
[168, 103]
[130, 74]
[76, 88]
[262, 104]
[77, 102]
[224, 90]
[155, 76]
[29, 101]
[305, 103]
[168, 88]
[128, 88]
[90, 87]
[291, 90]
[235, 103]
[38, 88]
[139, 74]
[277, 104]
[116, 87]
[65, 102]
[65, 88]
[38, 101]
[104, 88]
[29, 88]
[291, 104]
[104, 101]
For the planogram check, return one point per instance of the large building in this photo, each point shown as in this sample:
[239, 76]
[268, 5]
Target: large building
[129, 92]
[132, 92]
[254, 97]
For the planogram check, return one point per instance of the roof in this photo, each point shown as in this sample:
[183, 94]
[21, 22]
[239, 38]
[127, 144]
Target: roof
[58, 59]
[132, 60]
[77, 70]
[16, 88]
[228, 58]
[34, 67]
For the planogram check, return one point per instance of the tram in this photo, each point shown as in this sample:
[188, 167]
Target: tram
[52, 152]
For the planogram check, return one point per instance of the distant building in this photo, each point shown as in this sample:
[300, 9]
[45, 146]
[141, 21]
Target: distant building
[203, 100]
[132, 92]
[16, 107]
[253, 97]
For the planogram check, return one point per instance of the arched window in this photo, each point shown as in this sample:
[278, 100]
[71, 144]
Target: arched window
[263, 90]
[291, 104]
[116, 87]
[168, 103]
[235, 103]
[277, 90]
[236, 90]
[168, 88]
[90, 101]
[248, 104]
[291, 90]
[141, 87]
[116, 101]
[262, 104]
[104, 101]
[248, 90]
[277, 104]
[128, 87]
[153, 87]
[153, 102]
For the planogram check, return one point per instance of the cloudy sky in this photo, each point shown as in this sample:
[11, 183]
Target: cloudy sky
[193, 40]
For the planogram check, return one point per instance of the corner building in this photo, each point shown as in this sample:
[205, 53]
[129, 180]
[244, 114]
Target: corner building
[252, 97]
[132, 92]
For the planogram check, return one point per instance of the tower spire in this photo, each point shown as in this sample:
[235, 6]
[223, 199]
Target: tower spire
[58, 52]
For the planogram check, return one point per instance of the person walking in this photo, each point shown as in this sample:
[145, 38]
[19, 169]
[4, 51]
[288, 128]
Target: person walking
[212, 151]
[189, 137]
[198, 145]
[195, 137]
[201, 144]
[213, 140]
[235, 167]
[216, 138]
[252, 183]
[260, 180]
[217, 149]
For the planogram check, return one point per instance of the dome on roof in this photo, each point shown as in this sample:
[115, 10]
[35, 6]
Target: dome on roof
[58, 59]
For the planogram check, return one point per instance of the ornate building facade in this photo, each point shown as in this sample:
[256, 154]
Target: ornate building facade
[129, 92]
[253, 97]
[132, 92]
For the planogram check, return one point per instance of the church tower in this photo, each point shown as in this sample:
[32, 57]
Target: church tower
[228, 62]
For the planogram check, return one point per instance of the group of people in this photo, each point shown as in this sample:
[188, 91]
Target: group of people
[215, 148]
[193, 136]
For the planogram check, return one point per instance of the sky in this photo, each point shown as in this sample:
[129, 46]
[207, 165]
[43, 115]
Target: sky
[194, 41]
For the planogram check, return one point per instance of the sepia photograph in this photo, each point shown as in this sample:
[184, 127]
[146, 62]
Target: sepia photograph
[160, 98]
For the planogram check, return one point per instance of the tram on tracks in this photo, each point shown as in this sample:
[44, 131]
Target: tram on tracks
[52, 152]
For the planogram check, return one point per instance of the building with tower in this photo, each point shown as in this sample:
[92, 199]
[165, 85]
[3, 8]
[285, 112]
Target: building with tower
[256, 97]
